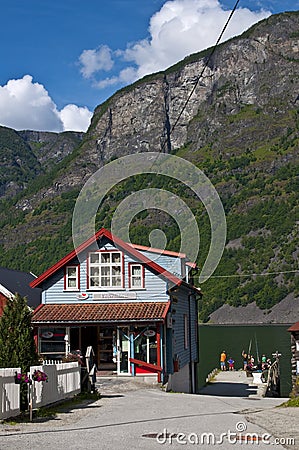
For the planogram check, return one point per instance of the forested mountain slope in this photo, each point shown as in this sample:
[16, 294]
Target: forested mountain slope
[240, 127]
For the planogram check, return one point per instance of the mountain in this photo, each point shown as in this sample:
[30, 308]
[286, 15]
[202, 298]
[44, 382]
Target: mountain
[238, 123]
[27, 154]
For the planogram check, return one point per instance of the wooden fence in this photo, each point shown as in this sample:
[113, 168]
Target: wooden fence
[64, 380]
[9, 393]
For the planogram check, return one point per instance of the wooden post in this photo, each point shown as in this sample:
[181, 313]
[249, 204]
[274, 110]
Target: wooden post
[30, 399]
[158, 337]
[131, 337]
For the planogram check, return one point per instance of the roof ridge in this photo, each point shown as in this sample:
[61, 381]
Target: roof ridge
[119, 243]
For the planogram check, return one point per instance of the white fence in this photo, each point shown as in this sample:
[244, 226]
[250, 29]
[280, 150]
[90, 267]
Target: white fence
[64, 380]
[9, 393]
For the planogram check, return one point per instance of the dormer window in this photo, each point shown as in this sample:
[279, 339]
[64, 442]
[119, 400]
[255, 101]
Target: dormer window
[105, 270]
[136, 276]
[71, 278]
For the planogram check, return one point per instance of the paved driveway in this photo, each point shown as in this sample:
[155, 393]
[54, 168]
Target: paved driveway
[133, 416]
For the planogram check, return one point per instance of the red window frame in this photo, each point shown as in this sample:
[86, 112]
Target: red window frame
[77, 267]
[142, 275]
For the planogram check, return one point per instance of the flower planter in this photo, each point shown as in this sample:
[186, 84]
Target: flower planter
[22, 378]
[39, 376]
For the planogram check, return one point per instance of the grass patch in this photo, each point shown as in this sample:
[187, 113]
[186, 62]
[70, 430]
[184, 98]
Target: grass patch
[293, 402]
[212, 376]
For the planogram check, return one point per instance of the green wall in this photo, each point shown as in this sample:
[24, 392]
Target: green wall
[234, 338]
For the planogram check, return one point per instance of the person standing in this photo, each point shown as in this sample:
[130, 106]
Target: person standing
[231, 364]
[223, 360]
[245, 359]
[264, 361]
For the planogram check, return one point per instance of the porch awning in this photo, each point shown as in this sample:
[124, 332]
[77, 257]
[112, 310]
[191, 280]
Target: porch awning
[83, 313]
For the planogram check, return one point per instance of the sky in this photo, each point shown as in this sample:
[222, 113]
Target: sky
[60, 59]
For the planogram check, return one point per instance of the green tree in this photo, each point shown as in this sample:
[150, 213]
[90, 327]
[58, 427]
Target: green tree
[17, 346]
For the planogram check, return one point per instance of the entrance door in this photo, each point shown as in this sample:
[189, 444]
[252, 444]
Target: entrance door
[106, 338]
[123, 351]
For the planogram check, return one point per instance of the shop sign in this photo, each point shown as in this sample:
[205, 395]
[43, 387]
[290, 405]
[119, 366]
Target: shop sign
[149, 333]
[82, 296]
[114, 296]
[47, 335]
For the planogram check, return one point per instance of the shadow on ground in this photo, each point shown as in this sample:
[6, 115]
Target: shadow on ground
[225, 389]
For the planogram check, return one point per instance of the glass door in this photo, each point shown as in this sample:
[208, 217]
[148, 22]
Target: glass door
[105, 348]
[123, 351]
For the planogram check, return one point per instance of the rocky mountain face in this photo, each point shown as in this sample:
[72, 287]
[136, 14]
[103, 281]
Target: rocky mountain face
[27, 154]
[259, 68]
[234, 114]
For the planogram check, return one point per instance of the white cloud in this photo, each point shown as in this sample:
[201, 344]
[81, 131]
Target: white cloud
[180, 28]
[93, 61]
[75, 118]
[25, 105]
[126, 76]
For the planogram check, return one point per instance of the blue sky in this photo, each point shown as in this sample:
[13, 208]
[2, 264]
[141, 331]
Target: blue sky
[59, 60]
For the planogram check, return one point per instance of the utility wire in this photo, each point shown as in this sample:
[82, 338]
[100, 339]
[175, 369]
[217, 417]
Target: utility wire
[202, 72]
[254, 274]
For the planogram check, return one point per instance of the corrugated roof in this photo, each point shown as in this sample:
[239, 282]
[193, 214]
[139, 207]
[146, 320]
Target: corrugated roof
[294, 327]
[100, 312]
[18, 281]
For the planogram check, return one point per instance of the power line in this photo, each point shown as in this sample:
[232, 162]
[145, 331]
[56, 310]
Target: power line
[254, 274]
[202, 72]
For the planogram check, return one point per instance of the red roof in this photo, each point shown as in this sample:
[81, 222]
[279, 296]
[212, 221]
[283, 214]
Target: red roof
[294, 327]
[165, 252]
[100, 312]
[127, 248]
[158, 250]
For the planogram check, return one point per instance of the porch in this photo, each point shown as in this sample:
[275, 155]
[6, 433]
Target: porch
[127, 339]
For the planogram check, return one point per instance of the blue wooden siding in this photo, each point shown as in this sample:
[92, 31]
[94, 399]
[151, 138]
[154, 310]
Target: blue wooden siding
[170, 263]
[180, 309]
[155, 287]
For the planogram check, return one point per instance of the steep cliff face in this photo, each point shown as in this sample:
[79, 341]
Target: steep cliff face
[258, 68]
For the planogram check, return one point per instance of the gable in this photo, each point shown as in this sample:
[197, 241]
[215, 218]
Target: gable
[102, 238]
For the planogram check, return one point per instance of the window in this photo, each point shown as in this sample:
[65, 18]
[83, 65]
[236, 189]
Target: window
[71, 280]
[105, 270]
[136, 276]
[52, 342]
